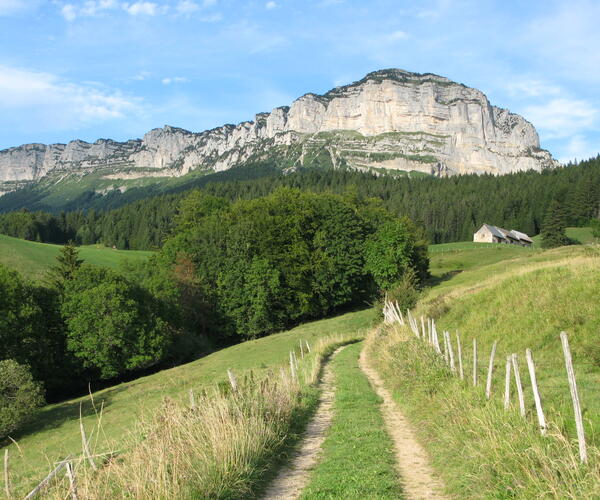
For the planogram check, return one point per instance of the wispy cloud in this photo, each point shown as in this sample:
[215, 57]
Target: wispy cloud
[58, 103]
[8, 7]
[562, 117]
[141, 8]
[174, 79]
[532, 88]
[270, 5]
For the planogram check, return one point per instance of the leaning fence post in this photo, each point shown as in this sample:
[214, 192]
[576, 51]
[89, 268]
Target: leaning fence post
[307, 346]
[192, 399]
[422, 328]
[536, 395]
[488, 385]
[232, 380]
[436, 341]
[575, 397]
[507, 384]
[515, 365]
[474, 362]
[86, 450]
[460, 363]
[6, 483]
[72, 481]
[301, 349]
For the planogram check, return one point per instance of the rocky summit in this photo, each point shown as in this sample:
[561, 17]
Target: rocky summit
[390, 120]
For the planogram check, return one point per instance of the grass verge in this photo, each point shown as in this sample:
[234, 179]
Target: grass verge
[358, 458]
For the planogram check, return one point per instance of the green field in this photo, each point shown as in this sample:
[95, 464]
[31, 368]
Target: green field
[54, 433]
[32, 259]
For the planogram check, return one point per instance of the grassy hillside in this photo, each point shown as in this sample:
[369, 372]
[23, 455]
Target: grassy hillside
[33, 259]
[522, 302]
[54, 433]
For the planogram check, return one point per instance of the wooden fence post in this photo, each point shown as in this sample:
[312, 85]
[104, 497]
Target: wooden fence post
[461, 372]
[488, 385]
[474, 362]
[301, 349]
[292, 366]
[507, 384]
[47, 479]
[84, 441]
[6, 480]
[307, 346]
[575, 397]
[436, 341]
[232, 380]
[192, 400]
[536, 395]
[72, 481]
[515, 365]
[422, 328]
[451, 353]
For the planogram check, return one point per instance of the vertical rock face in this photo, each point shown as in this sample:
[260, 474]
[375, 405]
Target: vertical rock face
[389, 120]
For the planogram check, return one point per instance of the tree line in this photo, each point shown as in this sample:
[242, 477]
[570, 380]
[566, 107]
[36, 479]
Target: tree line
[228, 271]
[450, 209]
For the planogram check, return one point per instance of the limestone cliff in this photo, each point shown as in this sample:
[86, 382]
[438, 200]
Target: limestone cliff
[391, 119]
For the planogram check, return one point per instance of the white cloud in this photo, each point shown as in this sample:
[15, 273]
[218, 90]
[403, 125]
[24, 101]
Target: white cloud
[53, 103]
[187, 7]
[8, 7]
[398, 35]
[532, 88]
[209, 3]
[562, 117]
[141, 8]
[174, 79]
[69, 12]
[270, 5]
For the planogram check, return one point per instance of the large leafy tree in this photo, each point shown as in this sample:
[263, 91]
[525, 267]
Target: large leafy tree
[113, 324]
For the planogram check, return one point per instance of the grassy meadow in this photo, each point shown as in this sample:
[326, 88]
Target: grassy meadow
[32, 259]
[54, 432]
[522, 302]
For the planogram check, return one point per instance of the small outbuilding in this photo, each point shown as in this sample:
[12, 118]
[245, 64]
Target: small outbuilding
[494, 234]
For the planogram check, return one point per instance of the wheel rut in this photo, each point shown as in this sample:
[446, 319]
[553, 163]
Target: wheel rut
[419, 480]
[291, 479]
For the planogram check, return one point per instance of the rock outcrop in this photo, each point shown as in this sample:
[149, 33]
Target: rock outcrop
[389, 120]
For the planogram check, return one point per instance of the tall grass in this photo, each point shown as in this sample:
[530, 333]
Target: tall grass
[225, 447]
[481, 450]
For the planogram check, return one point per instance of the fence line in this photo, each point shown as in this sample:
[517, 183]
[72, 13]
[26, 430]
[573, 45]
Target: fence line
[429, 336]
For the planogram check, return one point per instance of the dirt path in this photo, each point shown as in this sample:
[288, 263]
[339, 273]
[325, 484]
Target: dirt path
[292, 479]
[418, 478]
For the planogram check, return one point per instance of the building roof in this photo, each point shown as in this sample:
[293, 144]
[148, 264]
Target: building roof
[504, 234]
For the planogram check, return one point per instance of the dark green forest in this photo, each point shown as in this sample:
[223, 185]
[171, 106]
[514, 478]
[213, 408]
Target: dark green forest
[449, 209]
[228, 271]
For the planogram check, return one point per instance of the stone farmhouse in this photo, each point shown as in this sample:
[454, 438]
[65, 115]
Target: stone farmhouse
[494, 234]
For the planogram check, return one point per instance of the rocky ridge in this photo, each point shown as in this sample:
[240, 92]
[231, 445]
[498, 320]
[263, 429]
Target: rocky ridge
[389, 120]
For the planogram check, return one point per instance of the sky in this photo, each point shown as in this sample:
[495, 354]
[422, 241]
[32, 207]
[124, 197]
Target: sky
[113, 69]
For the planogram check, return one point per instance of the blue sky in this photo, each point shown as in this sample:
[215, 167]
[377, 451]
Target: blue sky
[116, 69]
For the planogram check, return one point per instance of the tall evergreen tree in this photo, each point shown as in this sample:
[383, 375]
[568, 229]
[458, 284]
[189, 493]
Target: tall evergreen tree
[68, 262]
[553, 229]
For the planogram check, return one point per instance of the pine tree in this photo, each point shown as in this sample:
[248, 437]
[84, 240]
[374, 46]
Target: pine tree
[554, 226]
[68, 262]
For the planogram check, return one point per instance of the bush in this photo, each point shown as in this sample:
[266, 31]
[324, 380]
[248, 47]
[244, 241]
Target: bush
[406, 291]
[20, 395]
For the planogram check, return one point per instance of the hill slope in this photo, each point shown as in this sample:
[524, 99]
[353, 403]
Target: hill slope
[33, 259]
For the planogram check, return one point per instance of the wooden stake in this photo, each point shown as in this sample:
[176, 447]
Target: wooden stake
[192, 400]
[422, 328]
[6, 480]
[515, 365]
[307, 346]
[575, 397]
[474, 362]
[507, 384]
[436, 341]
[488, 385]
[461, 372]
[84, 442]
[292, 366]
[451, 353]
[232, 380]
[536, 395]
[301, 349]
[72, 482]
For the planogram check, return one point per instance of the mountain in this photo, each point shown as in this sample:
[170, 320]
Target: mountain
[391, 120]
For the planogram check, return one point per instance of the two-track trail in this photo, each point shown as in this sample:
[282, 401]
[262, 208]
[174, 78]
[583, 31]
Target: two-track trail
[419, 480]
[291, 480]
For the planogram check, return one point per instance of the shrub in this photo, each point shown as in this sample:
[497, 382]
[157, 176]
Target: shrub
[20, 395]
